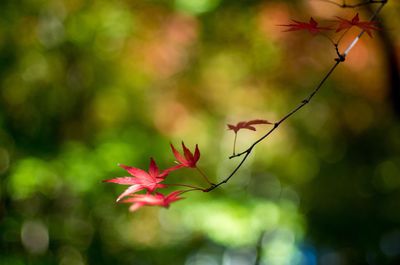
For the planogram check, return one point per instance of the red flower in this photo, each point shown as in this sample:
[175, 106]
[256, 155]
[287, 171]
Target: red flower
[158, 199]
[189, 160]
[246, 125]
[355, 21]
[311, 26]
[141, 179]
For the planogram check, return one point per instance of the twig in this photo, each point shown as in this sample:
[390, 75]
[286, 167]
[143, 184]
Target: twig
[340, 59]
[184, 185]
[344, 5]
[341, 36]
[189, 190]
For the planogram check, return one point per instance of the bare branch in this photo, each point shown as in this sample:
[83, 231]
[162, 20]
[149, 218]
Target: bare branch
[364, 3]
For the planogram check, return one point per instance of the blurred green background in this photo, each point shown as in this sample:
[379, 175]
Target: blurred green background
[85, 85]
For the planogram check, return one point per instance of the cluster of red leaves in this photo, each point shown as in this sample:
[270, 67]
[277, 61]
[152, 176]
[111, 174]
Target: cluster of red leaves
[355, 21]
[311, 26]
[343, 24]
[151, 181]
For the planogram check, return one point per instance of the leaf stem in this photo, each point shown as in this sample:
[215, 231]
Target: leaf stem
[341, 36]
[234, 144]
[204, 176]
[185, 185]
[372, 18]
[329, 38]
[184, 191]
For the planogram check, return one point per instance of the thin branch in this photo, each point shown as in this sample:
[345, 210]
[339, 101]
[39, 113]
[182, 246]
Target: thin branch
[330, 2]
[340, 59]
[214, 186]
[189, 190]
[344, 5]
[343, 56]
[184, 185]
[341, 36]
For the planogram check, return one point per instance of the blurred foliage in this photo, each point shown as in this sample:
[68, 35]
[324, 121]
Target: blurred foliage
[89, 84]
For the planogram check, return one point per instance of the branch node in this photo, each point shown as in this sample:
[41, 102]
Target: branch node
[341, 58]
[305, 101]
[213, 186]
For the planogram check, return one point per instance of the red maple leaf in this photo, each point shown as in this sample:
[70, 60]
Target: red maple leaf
[158, 199]
[311, 26]
[246, 125]
[355, 21]
[188, 159]
[141, 179]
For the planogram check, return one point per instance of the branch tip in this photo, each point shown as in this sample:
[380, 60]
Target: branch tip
[344, 5]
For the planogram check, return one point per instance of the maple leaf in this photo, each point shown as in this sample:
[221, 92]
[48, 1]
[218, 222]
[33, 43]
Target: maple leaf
[367, 26]
[140, 179]
[188, 159]
[247, 125]
[158, 199]
[311, 26]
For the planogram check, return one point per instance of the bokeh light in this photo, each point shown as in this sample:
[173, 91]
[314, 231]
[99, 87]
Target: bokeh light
[86, 85]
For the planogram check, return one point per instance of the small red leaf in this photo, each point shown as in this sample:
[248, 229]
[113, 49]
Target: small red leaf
[189, 160]
[311, 26]
[122, 181]
[247, 125]
[128, 191]
[140, 200]
[177, 155]
[136, 172]
[367, 26]
[141, 180]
